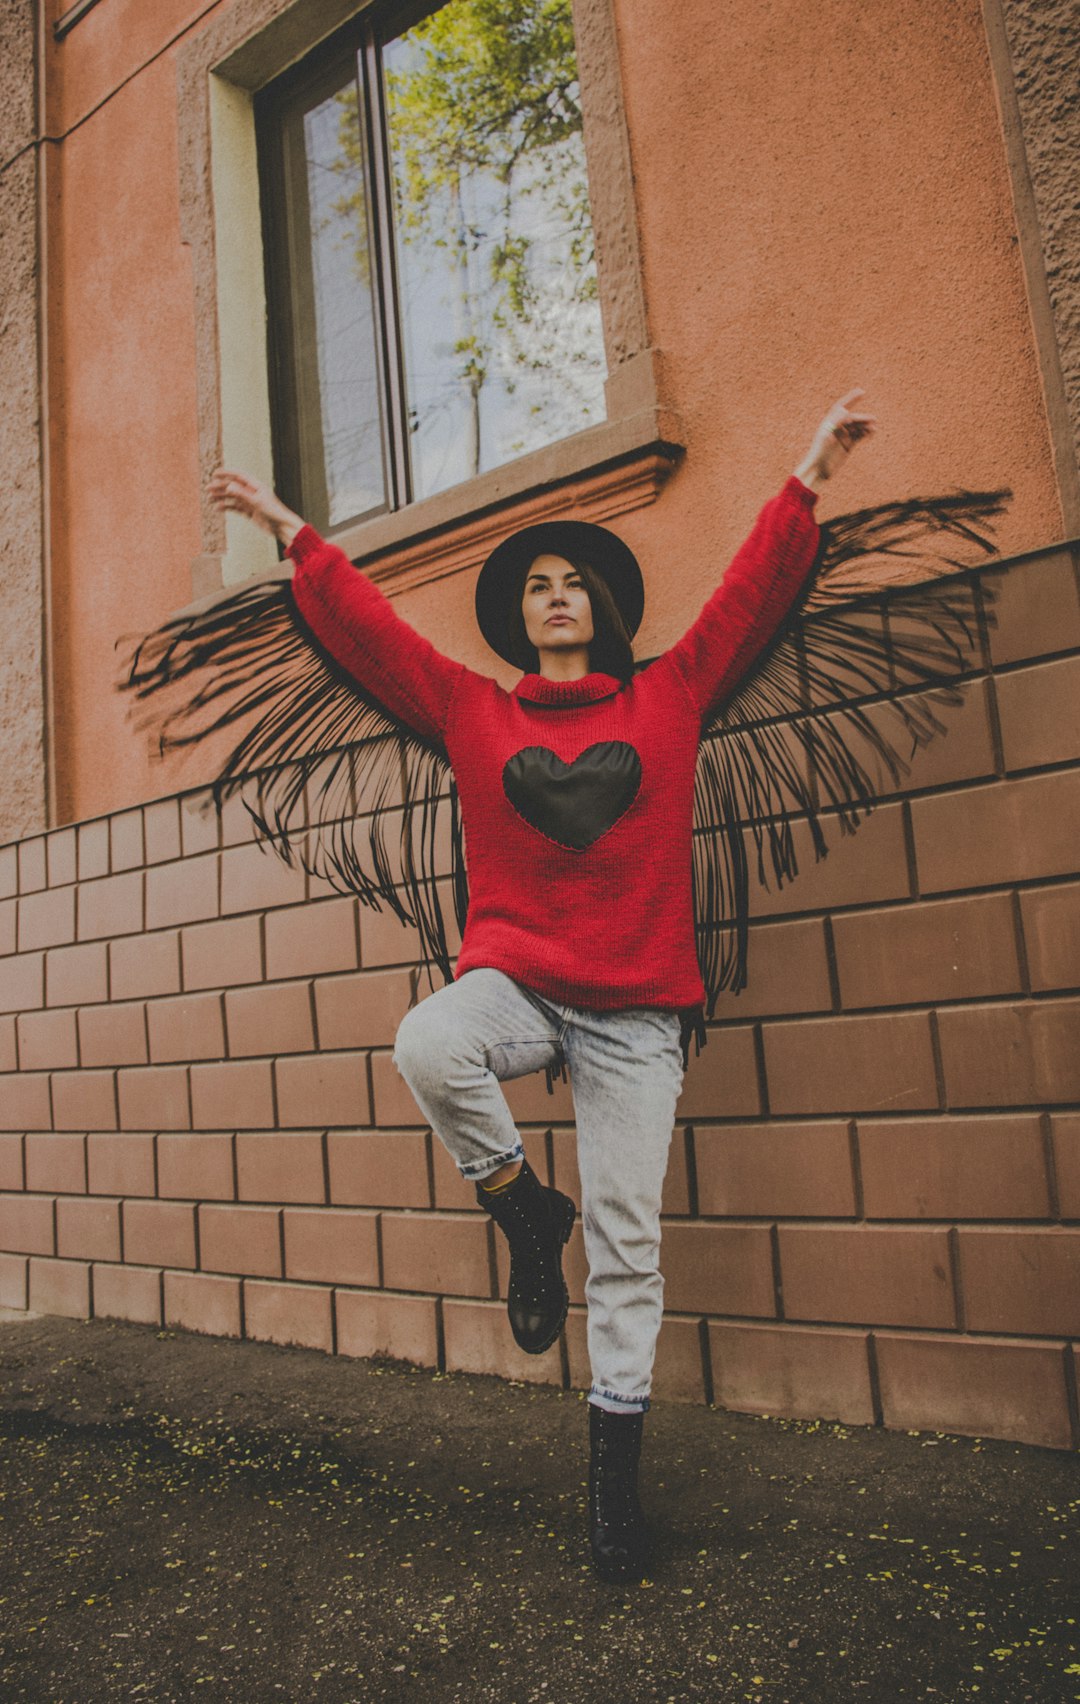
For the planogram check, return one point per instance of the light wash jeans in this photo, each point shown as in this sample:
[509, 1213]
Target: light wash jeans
[626, 1071]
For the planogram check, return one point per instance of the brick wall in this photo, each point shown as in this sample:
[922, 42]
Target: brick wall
[872, 1210]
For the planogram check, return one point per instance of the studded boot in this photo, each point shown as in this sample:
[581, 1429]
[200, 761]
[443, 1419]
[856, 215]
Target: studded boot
[617, 1530]
[536, 1222]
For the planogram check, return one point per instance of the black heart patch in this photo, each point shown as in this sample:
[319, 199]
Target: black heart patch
[573, 803]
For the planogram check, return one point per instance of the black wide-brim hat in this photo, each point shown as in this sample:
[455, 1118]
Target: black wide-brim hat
[502, 578]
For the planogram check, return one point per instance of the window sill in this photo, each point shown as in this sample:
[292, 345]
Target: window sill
[604, 471]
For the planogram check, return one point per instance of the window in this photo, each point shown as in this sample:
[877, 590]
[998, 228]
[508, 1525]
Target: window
[431, 281]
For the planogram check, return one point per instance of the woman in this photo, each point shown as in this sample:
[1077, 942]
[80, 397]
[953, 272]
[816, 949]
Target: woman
[576, 793]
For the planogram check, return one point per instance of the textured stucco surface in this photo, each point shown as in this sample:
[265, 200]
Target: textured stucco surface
[22, 716]
[822, 198]
[1044, 43]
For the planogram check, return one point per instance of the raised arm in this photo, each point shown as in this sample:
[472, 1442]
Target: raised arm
[766, 574]
[347, 613]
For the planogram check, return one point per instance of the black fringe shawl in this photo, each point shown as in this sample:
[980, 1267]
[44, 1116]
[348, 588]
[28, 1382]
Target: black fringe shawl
[826, 720]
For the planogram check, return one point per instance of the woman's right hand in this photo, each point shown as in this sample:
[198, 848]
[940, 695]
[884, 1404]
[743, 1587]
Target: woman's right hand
[229, 489]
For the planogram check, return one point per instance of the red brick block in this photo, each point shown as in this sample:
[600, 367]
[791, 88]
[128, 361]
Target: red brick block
[14, 1270]
[26, 1224]
[113, 1035]
[9, 911]
[60, 857]
[1065, 1130]
[77, 976]
[289, 1313]
[869, 866]
[186, 892]
[160, 1233]
[947, 949]
[1021, 1055]
[255, 879]
[375, 1323]
[529, 1100]
[145, 966]
[332, 1245]
[567, 1175]
[378, 1168]
[965, 752]
[126, 840]
[47, 1041]
[678, 1371]
[723, 1081]
[32, 875]
[1051, 919]
[126, 1292]
[11, 1162]
[851, 1064]
[236, 822]
[274, 1019]
[954, 1168]
[1022, 1280]
[93, 848]
[764, 1170]
[22, 985]
[199, 1301]
[56, 1164]
[787, 972]
[47, 919]
[987, 1388]
[111, 906]
[880, 1275]
[60, 1287]
[802, 1372]
[154, 1099]
[232, 1096]
[1009, 831]
[1038, 713]
[437, 1252]
[9, 1052]
[197, 1166]
[364, 1010]
[309, 940]
[1035, 609]
[240, 1239]
[280, 1167]
[457, 1194]
[718, 1269]
[477, 1339]
[161, 831]
[120, 1164]
[220, 955]
[9, 871]
[393, 1104]
[328, 1088]
[190, 1027]
[84, 1100]
[87, 1228]
[198, 824]
[24, 1102]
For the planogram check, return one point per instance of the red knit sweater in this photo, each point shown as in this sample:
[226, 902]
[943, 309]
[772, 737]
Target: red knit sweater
[609, 923]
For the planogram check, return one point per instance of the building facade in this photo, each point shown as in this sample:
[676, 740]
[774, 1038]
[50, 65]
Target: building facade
[619, 275]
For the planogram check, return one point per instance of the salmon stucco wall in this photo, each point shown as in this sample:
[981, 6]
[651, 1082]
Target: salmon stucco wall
[872, 1206]
[823, 199]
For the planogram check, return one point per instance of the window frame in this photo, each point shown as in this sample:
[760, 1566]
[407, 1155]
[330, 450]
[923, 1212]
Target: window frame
[605, 469]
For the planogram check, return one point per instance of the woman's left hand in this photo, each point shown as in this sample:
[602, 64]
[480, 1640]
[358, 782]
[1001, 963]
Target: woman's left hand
[839, 432]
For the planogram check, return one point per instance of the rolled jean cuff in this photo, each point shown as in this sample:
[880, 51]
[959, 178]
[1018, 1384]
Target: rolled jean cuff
[477, 1169]
[616, 1403]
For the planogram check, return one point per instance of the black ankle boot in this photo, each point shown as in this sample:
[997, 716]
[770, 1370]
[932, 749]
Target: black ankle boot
[536, 1222]
[617, 1530]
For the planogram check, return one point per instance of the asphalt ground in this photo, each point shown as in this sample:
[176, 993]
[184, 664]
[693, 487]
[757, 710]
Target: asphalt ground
[190, 1518]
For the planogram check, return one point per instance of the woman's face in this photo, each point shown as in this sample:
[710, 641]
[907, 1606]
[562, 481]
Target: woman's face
[556, 606]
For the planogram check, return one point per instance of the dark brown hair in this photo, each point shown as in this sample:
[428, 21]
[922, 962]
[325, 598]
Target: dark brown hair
[610, 648]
